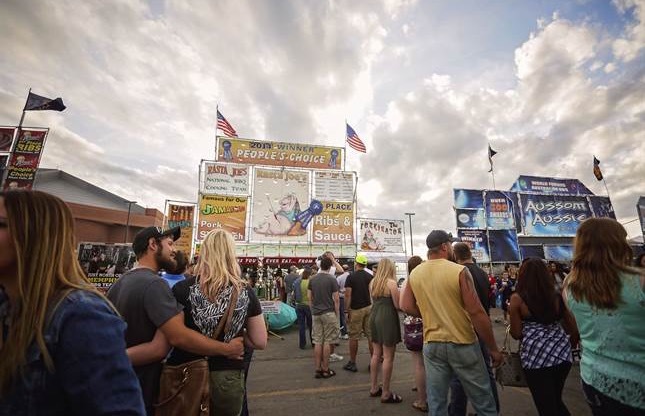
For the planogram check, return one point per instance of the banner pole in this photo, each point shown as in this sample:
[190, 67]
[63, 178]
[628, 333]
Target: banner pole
[15, 141]
[492, 172]
[345, 148]
[606, 189]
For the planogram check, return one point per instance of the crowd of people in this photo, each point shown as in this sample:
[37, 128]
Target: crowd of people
[69, 350]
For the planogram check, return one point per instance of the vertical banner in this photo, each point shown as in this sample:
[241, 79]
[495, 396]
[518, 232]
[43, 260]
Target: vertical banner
[335, 225]
[24, 161]
[3, 163]
[182, 215]
[468, 198]
[499, 210]
[470, 218]
[224, 179]
[6, 138]
[281, 210]
[222, 212]
[381, 235]
[601, 207]
[503, 246]
[478, 242]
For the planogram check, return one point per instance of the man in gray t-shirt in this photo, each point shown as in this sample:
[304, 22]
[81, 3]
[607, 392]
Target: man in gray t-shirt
[324, 302]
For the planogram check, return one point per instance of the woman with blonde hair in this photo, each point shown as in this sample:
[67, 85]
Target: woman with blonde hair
[218, 292]
[385, 328]
[606, 297]
[62, 343]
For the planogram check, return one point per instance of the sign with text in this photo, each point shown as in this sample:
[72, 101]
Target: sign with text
[601, 207]
[222, 212]
[554, 186]
[334, 186]
[335, 225]
[225, 179]
[470, 218]
[553, 215]
[381, 235]
[183, 216]
[6, 138]
[262, 152]
[478, 242]
[104, 263]
[499, 210]
[23, 164]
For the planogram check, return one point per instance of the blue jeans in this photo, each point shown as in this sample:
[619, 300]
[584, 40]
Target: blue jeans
[458, 398]
[303, 312]
[343, 323]
[445, 359]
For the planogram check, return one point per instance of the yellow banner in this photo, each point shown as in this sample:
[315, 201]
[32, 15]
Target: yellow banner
[225, 212]
[182, 216]
[260, 152]
[335, 225]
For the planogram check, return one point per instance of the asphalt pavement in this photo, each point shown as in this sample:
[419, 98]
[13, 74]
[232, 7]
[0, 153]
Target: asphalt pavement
[281, 382]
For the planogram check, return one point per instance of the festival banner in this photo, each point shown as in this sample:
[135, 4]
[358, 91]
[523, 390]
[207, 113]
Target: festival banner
[225, 179]
[552, 186]
[262, 152]
[281, 210]
[183, 216]
[222, 212]
[470, 218]
[334, 186]
[553, 215]
[335, 225]
[532, 251]
[381, 235]
[558, 252]
[499, 210]
[601, 207]
[104, 263]
[478, 242]
[6, 138]
[503, 246]
[468, 198]
[23, 164]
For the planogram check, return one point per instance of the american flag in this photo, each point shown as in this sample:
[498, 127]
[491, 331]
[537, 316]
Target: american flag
[224, 125]
[354, 141]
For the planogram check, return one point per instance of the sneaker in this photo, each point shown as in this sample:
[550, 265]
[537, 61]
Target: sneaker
[334, 358]
[350, 366]
[345, 336]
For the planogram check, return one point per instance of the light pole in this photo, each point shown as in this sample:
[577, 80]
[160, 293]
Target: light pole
[410, 214]
[127, 223]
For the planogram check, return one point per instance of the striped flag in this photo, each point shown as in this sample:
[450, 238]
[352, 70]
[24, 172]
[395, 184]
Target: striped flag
[596, 169]
[225, 126]
[354, 141]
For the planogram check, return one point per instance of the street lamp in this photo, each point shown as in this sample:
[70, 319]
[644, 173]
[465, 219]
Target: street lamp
[410, 214]
[127, 224]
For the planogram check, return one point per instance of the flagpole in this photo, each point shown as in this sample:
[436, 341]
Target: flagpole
[492, 172]
[606, 189]
[15, 141]
[345, 148]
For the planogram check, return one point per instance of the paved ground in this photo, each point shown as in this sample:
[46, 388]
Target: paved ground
[281, 382]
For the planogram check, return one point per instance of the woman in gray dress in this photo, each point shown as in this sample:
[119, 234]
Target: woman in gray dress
[385, 328]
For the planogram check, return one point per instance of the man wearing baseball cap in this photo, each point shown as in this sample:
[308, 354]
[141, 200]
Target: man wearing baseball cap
[443, 294]
[154, 317]
[358, 306]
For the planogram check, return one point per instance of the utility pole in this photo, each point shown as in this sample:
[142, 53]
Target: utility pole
[410, 214]
[127, 224]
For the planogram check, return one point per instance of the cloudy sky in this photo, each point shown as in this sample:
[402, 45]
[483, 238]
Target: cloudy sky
[426, 84]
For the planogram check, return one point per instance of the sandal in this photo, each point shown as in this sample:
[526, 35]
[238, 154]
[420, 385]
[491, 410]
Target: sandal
[394, 398]
[420, 406]
[327, 373]
[318, 374]
[377, 393]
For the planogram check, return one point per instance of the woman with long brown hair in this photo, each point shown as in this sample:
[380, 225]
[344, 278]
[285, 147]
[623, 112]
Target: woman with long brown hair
[207, 298]
[62, 343]
[385, 329]
[606, 297]
[540, 319]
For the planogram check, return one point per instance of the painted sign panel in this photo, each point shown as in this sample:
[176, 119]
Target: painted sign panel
[558, 252]
[222, 212]
[225, 179]
[182, 215]
[104, 263]
[23, 164]
[381, 235]
[553, 215]
[281, 210]
[601, 207]
[499, 210]
[261, 152]
[557, 186]
[334, 186]
[335, 225]
[468, 198]
[470, 218]
[6, 138]
[478, 242]
[503, 246]
[532, 251]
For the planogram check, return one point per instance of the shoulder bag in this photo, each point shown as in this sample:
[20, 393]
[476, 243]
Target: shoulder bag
[510, 373]
[184, 389]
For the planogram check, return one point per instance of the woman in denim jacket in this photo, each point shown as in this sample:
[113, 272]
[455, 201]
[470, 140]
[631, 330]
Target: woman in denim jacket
[62, 344]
